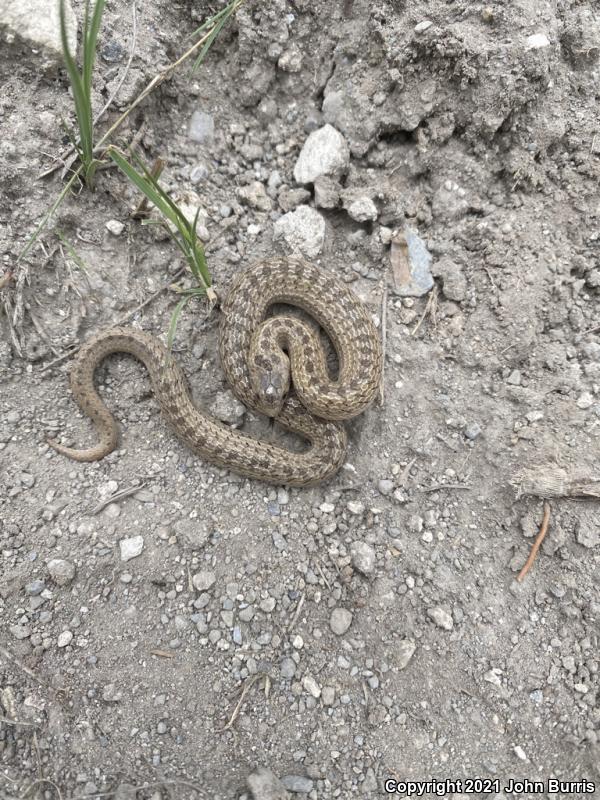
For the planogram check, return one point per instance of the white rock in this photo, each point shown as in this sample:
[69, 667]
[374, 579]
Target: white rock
[115, 226]
[363, 209]
[62, 572]
[585, 400]
[37, 22]
[441, 618]
[520, 753]
[355, 507]
[340, 620]
[311, 686]
[420, 27]
[131, 547]
[363, 557]
[64, 638]
[404, 653]
[204, 580]
[303, 229]
[537, 40]
[325, 152]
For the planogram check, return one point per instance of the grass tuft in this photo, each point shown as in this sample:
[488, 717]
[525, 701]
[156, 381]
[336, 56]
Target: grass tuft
[217, 21]
[81, 84]
[182, 231]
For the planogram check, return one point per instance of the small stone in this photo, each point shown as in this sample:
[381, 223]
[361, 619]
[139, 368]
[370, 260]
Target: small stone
[328, 695]
[246, 614]
[65, 638]
[585, 400]
[327, 508]
[327, 192]
[385, 486]
[297, 784]
[587, 533]
[411, 262]
[255, 195]
[201, 128]
[311, 686]
[35, 587]
[520, 753]
[362, 209]
[228, 408]
[404, 653]
[454, 282]
[303, 229]
[264, 785]
[363, 557]
[441, 618]
[355, 507]
[115, 226]
[131, 547]
[290, 60]
[514, 378]
[537, 40]
[288, 668]
[340, 620]
[472, 431]
[325, 152]
[421, 27]
[37, 23]
[62, 572]
[199, 173]
[204, 580]
[20, 631]
[110, 693]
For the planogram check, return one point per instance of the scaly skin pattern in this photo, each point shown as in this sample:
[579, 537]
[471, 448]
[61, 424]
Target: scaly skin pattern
[313, 411]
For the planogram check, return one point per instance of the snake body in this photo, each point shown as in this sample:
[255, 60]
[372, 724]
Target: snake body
[257, 354]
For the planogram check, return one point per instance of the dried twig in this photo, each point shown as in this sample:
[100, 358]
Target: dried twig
[246, 688]
[297, 612]
[436, 487]
[116, 496]
[430, 308]
[536, 545]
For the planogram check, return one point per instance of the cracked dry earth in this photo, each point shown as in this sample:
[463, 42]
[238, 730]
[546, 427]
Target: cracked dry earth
[170, 630]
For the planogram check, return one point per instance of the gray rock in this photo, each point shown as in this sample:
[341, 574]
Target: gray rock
[35, 587]
[288, 668]
[264, 785]
[361, 209]
[327, 192]
[328, 695]
[131, 547]
[255, 195]
[441, 617]
[290, 60]
[204, 580]
[302, 229]
[289, 199]
[37, 23]
[65, 638]
[363, 557]
[449, 202]
[419, 280]
[472, 431]
[588, 533]
[62, 572]
[297, 784]
[201, 128]
[454, 283]
[340, 620]
[20, 631]
[385, 486]
[325, 152]
[228, 408]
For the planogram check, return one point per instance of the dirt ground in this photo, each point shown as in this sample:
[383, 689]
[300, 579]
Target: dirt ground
[371, 628]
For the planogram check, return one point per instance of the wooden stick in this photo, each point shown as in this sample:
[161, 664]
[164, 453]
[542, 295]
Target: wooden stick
[536, 545]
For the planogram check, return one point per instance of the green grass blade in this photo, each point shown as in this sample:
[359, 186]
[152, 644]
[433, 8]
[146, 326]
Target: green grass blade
[91, 40]
[175, 318]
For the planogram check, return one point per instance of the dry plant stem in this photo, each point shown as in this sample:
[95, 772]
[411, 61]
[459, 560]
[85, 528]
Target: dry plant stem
[431, 304]
[383, 343]
[236, 711]
[536, 545]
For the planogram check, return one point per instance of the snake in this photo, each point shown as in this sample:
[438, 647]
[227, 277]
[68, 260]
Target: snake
[274, 364]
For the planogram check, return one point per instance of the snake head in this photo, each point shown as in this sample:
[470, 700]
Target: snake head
[270, 376]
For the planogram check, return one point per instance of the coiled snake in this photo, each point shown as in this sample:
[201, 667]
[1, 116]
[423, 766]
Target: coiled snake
[257, 354]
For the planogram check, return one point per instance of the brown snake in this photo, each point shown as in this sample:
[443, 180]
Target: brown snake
[258, 354]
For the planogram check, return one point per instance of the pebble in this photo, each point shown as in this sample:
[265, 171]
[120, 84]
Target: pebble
[228, 408]
[204, 580]
[355, 507]
[362, 209]
[62, 572]
[287, 667]
[363, 557]
[472, 431]
[328, 695]
[115, 226]
[297, 784]
[520, 753]
[419, 279]
[201, 128]
[441, 618]
[131, 547]
[421, 27]
[302, 229]
[325, 152]
[327, 192]
[537, 40]
[255, 195]
[265, 785]
[340, 620]
[385, 486]
[35, 587]
[20, 631]
[404, 653]
[311, 686]
[65, 638]
[587, 533]
[585, 400]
